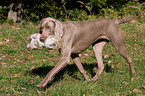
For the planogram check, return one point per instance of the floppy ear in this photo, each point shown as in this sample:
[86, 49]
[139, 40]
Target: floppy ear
[58, 29]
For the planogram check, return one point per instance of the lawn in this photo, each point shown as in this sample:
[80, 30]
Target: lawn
[21, 70]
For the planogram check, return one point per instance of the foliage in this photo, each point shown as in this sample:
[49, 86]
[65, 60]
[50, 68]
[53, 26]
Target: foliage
[35, 10]
[11, 21]
[130, 8]
[3, 14]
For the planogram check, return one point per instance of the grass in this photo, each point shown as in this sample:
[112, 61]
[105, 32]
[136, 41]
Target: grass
[21, 70]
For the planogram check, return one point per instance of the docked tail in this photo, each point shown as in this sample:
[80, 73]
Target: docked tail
[124, 20]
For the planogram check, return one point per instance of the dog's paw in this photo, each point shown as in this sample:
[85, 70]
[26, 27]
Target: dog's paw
[40, 85]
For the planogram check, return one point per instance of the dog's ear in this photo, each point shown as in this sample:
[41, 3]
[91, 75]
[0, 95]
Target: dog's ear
[58, 29]
[57, 25]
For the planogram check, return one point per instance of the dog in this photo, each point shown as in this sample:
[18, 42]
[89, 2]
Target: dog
[77, 36]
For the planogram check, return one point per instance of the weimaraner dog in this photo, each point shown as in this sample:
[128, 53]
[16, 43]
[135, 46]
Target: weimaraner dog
[77, 36]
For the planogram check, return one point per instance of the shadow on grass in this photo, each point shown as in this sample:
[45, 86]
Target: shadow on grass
[70, 69]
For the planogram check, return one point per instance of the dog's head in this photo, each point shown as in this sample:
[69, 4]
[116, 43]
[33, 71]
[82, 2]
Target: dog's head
[50, 26]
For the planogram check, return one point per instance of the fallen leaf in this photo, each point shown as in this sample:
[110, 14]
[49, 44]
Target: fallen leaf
[8, 77]
[1, 43]
[3, 56]
[1, 26]
[136, 90]
[32, 67]
[112, 66]
[12, 81]
[129, 91]
[85, 54]
[4, 64]
[31, 81]
[125, 82]
[84, 95]
[30, 56]
[13, 90]
[109, 61]
[7, 41]
[129, 45]
[15, 28]
[58, 84]
[132, 79]
[16, 75]
[118, 66]
[21, 53]
[23, 88]
[38, 91]
[19, 92]
[106, 56]
[100, 92]
[80, 55]
[135, 49]
[19, 73]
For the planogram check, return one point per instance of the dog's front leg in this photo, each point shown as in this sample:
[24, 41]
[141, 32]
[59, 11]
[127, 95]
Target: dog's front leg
[61, 64]
[64, 60]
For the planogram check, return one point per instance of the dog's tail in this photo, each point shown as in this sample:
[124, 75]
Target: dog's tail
[124, 20]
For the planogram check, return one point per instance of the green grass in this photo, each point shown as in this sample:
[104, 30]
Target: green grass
[21, 70]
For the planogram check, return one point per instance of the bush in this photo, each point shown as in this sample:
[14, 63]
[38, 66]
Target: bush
[11, 21]
[3, 14]
[35, 10]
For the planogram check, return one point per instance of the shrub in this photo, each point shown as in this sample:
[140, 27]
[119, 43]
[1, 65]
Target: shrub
[3, 14]
[35, 10]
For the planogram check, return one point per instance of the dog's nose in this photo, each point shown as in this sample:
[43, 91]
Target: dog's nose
[41, 39]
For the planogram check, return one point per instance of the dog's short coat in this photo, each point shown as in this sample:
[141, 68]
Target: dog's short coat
[77, 36]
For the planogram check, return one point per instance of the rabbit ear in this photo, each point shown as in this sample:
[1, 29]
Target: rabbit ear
[29, 37]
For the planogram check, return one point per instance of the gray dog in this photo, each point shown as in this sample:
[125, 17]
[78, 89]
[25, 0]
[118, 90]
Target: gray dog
[77, 36]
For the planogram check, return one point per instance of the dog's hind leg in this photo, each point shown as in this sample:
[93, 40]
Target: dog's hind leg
[77, 61]
[118, 42]
[98, 47]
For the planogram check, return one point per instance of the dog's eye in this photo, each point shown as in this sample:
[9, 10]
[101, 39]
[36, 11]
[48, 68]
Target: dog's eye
[40, 30]
[48, 27]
